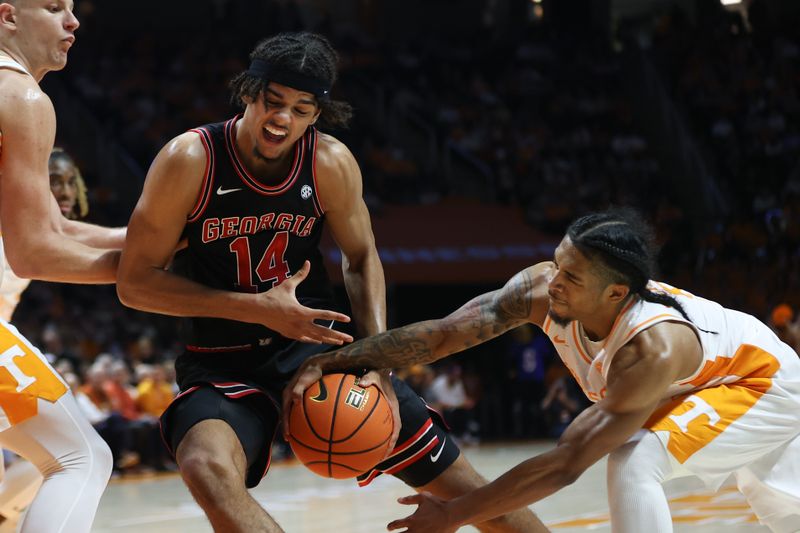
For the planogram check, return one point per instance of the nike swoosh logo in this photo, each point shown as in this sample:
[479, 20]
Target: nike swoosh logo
[559, 340]
[435, 456]
[222, 192]
[323, 392]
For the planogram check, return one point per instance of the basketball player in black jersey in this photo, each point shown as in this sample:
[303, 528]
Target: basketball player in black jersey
[250, 196]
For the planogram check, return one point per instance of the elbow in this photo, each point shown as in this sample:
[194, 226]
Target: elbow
[23, 264]
[127, 293]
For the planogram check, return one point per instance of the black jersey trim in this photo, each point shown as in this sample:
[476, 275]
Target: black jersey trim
[208, 178]
[299, 155]
[315, 197]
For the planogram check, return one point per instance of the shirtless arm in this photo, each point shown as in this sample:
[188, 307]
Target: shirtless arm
[36, 244]
[340, 190]
[91, 234]
[523, 299]
[170, 192]
[637, 381]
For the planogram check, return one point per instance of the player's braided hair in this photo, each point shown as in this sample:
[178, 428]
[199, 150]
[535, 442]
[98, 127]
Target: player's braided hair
[303, 53]
[621, 245]
[83, 196]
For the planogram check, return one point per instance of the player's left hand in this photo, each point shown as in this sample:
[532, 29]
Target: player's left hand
[383, 380]
[430, 517]
[308, 374]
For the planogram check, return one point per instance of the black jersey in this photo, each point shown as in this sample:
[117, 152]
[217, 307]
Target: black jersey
[245, 236]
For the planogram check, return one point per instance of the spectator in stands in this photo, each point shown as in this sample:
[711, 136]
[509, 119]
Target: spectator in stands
[783, 323]
[448, 395]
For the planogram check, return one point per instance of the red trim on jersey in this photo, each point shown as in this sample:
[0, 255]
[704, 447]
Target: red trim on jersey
[410, 442]
[244, 174]
[405, 463]
[414, 458]
[208, 177]
[205, 349]
[318, 207]
[184, 393]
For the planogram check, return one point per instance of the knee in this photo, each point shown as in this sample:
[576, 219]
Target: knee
[634, 462]
[102, 459]
[205, 471]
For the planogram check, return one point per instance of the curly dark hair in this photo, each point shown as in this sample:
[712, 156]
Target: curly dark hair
[302, 53]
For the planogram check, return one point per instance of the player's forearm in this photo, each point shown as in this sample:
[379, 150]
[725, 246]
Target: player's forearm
[159, 291]
[526, 483]
[413, 344]
[419, 343]
[366, 289]
[95, 236]
[53, 257]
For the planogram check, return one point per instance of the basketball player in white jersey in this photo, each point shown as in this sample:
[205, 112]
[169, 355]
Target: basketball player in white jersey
[681, 385]
[21, 480]
[39, 418]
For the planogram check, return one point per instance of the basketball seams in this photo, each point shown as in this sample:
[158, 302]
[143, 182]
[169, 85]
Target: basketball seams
[354, 452]
[333, 422]
[308, 420]
[337, 458]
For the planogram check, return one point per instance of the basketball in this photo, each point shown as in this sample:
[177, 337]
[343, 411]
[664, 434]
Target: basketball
[340, 429]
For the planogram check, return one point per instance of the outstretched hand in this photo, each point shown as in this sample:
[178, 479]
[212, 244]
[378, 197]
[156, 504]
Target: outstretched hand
[430, 517]
[293, 320]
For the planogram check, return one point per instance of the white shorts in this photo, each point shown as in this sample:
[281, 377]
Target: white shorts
[25, 377]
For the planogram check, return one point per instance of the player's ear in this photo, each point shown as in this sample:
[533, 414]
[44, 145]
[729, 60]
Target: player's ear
[617, 292]
[316, 116]
[8, 15]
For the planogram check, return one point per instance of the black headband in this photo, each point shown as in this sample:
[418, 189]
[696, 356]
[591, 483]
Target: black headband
[302, 82]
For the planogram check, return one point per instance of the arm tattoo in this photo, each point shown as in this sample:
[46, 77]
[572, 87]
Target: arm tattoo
[481, 319]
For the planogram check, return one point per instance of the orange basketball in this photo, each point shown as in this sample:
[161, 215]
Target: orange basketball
[340, 430]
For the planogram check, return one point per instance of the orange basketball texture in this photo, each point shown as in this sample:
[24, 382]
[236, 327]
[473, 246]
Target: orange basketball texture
[340, 429]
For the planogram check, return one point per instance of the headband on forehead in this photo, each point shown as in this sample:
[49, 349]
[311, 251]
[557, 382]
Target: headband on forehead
[302, 82]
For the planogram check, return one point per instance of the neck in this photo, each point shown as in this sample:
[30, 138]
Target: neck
[13, 53]
[599, 326]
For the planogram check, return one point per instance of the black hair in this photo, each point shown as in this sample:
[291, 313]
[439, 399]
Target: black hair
[621, 246]
[302, 53]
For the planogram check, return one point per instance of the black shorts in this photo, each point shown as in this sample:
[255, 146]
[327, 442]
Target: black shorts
[252, 408]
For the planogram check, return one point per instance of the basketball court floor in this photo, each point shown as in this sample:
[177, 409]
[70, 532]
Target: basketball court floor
[305, 503]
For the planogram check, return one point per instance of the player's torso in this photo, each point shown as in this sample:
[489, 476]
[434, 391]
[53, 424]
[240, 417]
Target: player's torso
[245, 236]
[735, 346]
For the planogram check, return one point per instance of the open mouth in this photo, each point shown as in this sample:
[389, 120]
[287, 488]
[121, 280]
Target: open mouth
[274, 135]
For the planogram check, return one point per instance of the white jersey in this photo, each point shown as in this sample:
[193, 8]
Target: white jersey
[736, 346]
[742, 402]
[11, 287]
[7, 62]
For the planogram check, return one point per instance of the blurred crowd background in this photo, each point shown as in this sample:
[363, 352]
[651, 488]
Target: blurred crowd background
[538, 110]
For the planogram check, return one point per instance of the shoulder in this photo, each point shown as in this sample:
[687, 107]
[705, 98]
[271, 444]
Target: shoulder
[21, 91]
[333, 159]
[184, 153]
[23, 103]
[337, 176]
[525, 294]
[669, 347]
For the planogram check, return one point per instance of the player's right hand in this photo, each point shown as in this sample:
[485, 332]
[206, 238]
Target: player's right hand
[287, 316]
[308, 374]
